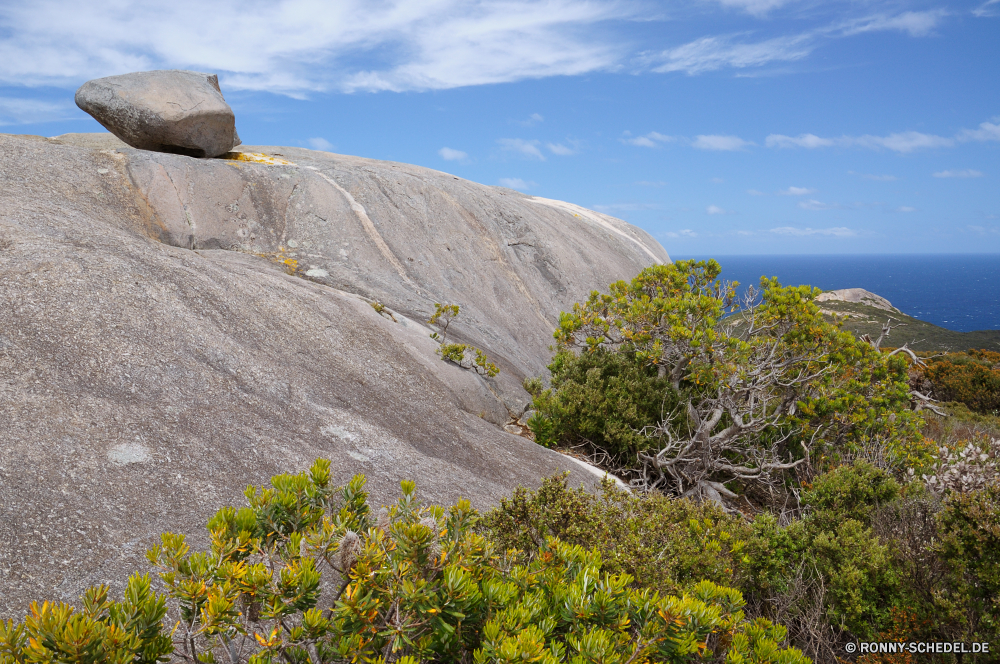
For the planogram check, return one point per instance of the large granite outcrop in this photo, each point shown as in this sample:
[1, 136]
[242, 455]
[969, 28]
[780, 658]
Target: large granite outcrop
[156, 356]
[175, 111]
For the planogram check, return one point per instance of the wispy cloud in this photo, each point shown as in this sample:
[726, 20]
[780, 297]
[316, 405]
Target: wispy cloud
[715, 209]
[562, 150]
[713, 53]
[716, 142]
[532, 120]
[796, 191]
[877, 178]
[734, 51]
[906, 141]
[319, 144]
[300, 46]
[988, 131]
[838, 231]
[984, 230]
[687, 232]
[800, 141]
[517, 183]
[449, 154]
[754, 192]
[905, 208]
[813, 204]
[990, 8]
[15, 111]
[528, 149]
[917, 24]
[964, 173]
[651, 140]
[754, 7]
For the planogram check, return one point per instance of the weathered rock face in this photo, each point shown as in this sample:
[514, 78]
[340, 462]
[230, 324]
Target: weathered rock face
[174, 111]
[858, 295]
[156, 357]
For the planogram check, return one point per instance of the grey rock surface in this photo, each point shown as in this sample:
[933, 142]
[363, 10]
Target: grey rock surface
[156, 356]
[174, 111]
[857, 295]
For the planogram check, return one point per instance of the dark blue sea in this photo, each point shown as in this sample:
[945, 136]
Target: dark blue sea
[960, 292]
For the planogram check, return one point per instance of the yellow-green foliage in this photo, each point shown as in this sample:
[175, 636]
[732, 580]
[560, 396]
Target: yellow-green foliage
[444, 314]
[307, 573]
[665, 544]
[129, 631]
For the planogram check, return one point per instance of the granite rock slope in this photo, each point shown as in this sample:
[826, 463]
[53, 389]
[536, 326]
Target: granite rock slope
[173, 329]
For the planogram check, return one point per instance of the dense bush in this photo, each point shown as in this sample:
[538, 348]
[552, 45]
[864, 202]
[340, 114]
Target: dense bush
[101, 632]
[665, 544]
[602, 399]
[971, 378]
[743, 397]
[307, 574]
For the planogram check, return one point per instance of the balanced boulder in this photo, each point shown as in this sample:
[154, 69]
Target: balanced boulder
[175, 111]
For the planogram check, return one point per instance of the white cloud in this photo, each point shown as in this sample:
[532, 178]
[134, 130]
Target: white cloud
[532, 120]
[712, 53]
[906, 208]
[988, 131]
[917, 24]
[965, 173]
[838, 231]
[687, 232]
[448, 154]
[990, 8]
[651, 140]
[813, 204]
[754, 192]
[520, 146]
[516, 183]
[299, 46]
[755, 7]
[800, 141]
[796, 191]
[320, 144]
[14, 111]
[877, 178]
[906, 141]
[715, 142]
[714, 209]
[574, 147]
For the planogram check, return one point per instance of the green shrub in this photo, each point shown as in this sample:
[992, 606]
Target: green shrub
[849, 492]
[306, 574]
[103, 632]
[694, 396]
[603, 399]
[665, 544]
[969, 532]
[971, 378]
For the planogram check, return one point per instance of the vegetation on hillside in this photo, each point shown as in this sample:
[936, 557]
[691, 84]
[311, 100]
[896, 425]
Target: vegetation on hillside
[786, 500]
[308, 573]
[860, 319]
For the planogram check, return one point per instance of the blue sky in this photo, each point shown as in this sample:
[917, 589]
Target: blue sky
[719, 126]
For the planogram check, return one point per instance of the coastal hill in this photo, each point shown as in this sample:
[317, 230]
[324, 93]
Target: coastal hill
[173, 329]
[863, 312]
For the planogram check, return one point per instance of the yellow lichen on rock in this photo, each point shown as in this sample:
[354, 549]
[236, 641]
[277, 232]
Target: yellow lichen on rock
[257, 158]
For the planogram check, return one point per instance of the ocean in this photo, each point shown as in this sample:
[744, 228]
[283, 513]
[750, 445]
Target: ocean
[959, 292]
